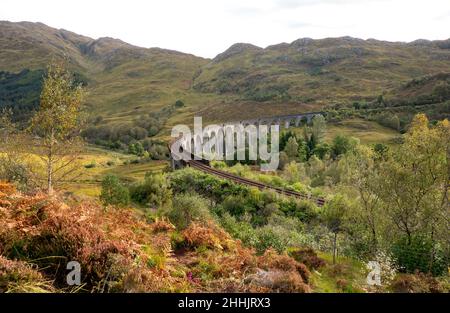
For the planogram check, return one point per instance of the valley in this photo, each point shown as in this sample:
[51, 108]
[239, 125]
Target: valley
[86, 175]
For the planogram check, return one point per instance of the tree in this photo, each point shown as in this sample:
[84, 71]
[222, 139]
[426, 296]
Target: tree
[291, 148]
[342, 144]
[364, 179]
[381, 151]
[295, 172]
[113, 192]
[334, 214]
[56, 125]
[416, 180]
[313, 136]
[319, 127]
[322, 150]
[284, 159]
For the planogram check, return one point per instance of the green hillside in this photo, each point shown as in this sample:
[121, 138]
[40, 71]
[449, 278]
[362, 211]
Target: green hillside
[125, 82]
[320, 72]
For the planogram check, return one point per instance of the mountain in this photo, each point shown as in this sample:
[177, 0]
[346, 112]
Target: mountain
[122, 80]
[125, 81]
[321, 71]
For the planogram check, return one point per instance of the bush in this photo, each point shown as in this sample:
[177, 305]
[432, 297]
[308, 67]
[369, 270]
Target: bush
[17, 172]
[19, 276]
[208, 236]
[420, 254]
[91, 165]
[416, 283]
[179, 104]
[269, 237]
[186, 209]
[239, 229]
[308, 257]
[154, 191]
[113, 192]
[235, 205]
[342, 144]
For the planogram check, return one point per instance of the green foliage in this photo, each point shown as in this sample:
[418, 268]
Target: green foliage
[186, 209]
[236, 206]
[179, 104]
[56, 125]
[136, 149]
[280, 232]
[190, 180]
[419, 253]
[291, 148]
[18, 172]
[60, 104]
[334, 213]
[114, 192]
[342, 144]
[389, 120]
[20, 92]
[322, 150]
[154, 191]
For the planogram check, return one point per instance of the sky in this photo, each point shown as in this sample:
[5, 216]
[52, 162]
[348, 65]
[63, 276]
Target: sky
[208, 27]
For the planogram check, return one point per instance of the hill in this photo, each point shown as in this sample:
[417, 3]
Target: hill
[315, 73]
[122, 80]
[126, 82]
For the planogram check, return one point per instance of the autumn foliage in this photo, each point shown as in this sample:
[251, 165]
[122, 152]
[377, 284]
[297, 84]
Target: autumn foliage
[119, 251]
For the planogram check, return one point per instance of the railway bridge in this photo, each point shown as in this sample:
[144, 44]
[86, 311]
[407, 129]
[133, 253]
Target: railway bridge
[187, 158]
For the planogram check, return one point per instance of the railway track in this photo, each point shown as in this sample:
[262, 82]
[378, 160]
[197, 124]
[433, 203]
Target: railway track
[244, 181]
[203, 165]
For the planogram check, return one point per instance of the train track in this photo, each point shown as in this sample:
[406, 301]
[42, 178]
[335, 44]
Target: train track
[244, 181]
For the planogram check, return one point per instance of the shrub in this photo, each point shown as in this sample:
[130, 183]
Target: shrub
[416, 283]
[113, 192]
[272, 260]
[17, 172]
[179, 104]
[342, 144]
[235, 205]
[420, 254]
[154, 191]
[209, 236]
[308, 257]
[268, 237]
[186, 209]
[19, 276]
[91, 165]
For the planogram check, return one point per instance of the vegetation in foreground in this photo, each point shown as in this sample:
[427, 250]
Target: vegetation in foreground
[120, 251]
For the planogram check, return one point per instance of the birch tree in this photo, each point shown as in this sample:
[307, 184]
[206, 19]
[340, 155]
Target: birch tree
[56, 125]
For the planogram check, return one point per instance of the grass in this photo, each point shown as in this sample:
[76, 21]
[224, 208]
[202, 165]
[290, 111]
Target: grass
[367, 132]
[346, 276]
[108, 162]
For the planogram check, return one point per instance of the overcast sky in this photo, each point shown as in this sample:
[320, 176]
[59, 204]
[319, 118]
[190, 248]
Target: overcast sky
[208, 27]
